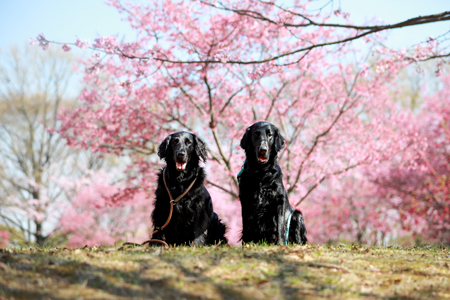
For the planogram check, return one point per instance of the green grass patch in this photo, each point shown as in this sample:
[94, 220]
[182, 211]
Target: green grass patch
[249, 272]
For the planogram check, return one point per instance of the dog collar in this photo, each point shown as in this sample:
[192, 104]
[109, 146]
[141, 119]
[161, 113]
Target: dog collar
[242, 171]
[185, 192]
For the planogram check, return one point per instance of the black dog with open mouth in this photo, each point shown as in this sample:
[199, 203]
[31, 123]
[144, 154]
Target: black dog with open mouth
[193, 220]
[267, 215]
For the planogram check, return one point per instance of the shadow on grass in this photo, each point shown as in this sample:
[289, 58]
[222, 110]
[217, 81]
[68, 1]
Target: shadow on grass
[43, 276]
[209, 273]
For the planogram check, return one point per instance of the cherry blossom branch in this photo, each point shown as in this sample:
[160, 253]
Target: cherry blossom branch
[223, 189]
[307, 50]
[200, 109]
[342, 110]
[295, 134]
[444, 16]
[325, 177]
[229, 100]
[213, 127]
[428, 57]
[269, 59]
[134, 148]
[274, 99]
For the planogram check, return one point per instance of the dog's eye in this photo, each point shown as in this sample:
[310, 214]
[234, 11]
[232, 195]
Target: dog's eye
[269, 134]
[175, 142]
[188, 142]
[256, 133]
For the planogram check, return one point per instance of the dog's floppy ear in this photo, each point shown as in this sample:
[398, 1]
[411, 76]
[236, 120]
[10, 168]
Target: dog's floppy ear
[245, 141]
[279, 140]
[162, 150]
[200, 148]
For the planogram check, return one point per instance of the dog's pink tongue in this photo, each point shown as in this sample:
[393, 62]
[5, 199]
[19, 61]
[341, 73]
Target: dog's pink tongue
[181, 166]
[262, 159]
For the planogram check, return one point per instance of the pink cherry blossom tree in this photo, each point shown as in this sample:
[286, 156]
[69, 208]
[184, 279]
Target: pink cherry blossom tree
[419, 189]
[214, 69]
[92, 219]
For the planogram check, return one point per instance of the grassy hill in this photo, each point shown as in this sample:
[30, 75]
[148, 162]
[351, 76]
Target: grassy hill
[249, 272]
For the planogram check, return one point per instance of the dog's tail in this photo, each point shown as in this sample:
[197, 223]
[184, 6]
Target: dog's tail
[216, 231]
[297, 230]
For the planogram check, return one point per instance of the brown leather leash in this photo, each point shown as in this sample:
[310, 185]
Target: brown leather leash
[172, 202]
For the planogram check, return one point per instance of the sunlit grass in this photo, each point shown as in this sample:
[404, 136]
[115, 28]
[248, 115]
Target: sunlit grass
[248, 272]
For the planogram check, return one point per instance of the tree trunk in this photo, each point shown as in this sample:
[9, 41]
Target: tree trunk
[40, 239]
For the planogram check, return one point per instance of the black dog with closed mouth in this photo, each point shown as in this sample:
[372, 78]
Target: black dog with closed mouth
[266, 211]
[193, 220]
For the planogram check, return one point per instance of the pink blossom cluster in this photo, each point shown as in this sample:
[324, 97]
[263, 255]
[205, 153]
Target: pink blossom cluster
[4, 238]
[81, 44]
[66, 47]
[393, 60]
[109, 44]
[93, 219]
[33, 209]
[43, 42]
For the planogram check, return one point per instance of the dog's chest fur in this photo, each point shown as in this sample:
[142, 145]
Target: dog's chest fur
[261, 193]
[260, 202]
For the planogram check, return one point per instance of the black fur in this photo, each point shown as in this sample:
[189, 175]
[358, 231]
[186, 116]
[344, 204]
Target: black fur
[193, 220]
[264, 201]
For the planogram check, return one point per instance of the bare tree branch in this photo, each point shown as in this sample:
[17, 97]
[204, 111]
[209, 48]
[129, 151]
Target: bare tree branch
[360, 31]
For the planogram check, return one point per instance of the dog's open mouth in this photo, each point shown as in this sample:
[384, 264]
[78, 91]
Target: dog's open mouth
[181, 166]
[262, 159]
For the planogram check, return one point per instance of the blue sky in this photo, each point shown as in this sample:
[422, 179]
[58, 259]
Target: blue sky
[64, 20]
[59, 20]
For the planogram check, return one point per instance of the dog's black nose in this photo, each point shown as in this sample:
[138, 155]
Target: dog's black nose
[180, 154]
[263, 150]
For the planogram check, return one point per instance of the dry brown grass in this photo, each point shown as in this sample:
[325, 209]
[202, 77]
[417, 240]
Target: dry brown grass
[250, 272]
